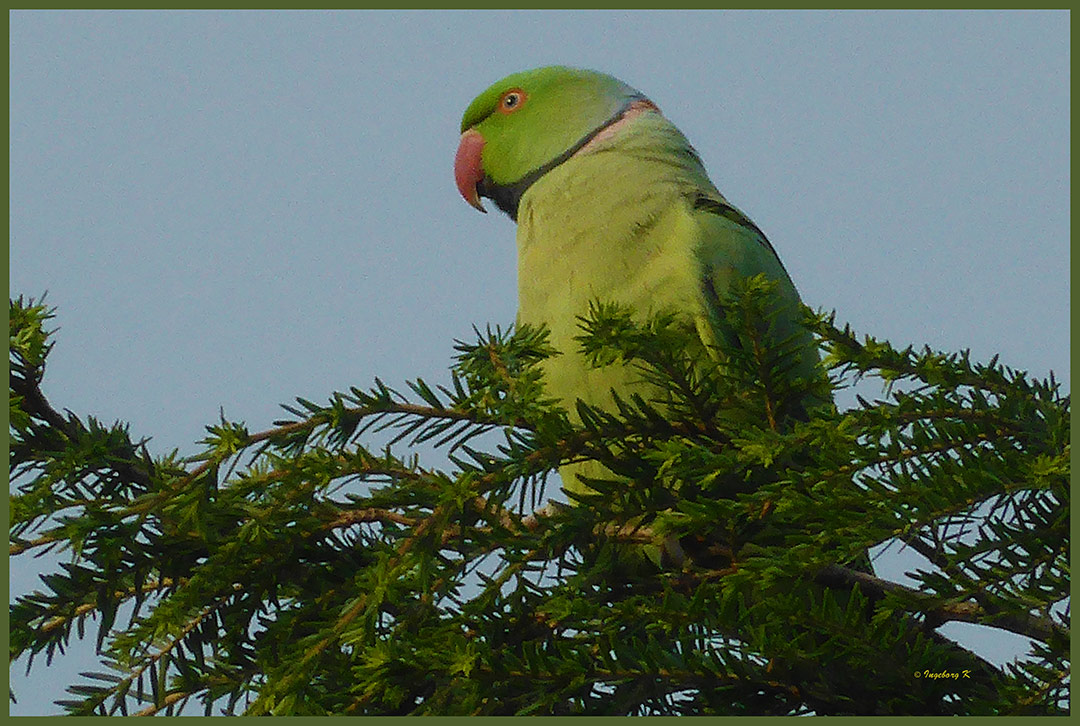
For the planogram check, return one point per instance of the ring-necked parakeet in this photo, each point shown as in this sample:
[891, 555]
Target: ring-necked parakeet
[612, 204]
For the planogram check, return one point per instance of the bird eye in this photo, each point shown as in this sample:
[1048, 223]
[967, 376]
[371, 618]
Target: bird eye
[511, 100]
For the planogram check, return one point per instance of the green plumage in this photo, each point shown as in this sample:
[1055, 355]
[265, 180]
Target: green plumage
[630, 218]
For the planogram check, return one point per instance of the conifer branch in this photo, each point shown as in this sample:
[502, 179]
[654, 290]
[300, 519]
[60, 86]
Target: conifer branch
[332, 579]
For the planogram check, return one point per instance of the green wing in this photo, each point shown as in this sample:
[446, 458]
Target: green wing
[732, 247]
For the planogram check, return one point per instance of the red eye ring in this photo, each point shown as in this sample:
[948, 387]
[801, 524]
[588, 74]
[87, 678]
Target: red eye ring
[511, 100]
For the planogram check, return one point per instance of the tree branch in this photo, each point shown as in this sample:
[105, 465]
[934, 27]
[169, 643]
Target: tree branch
[966, 612]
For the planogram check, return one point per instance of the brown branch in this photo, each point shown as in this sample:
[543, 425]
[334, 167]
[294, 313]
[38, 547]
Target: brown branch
[842, 338]
[18, 548]
[310, 423]
[37, 406]
[173, 643]
[57, 620]
[167, 701]
[370, 514]
[965, 612]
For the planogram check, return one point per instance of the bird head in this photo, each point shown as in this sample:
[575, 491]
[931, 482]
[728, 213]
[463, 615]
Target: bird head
[530, 122]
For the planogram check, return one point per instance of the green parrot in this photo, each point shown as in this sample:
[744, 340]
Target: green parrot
[612, 203]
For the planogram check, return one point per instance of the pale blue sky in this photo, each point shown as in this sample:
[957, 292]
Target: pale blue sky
[233, 209]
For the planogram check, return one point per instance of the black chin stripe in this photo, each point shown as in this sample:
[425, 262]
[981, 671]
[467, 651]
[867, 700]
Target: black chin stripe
[507, 197]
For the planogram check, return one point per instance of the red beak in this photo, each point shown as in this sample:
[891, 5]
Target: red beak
[467, 167]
